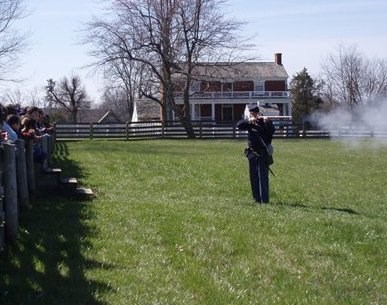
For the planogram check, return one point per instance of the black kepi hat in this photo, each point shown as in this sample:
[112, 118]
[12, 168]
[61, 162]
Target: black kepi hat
[253, 108]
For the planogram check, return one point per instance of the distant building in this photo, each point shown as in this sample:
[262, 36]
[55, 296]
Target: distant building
[221, 91]
[109, 118]
[148, 110]
[96, 116]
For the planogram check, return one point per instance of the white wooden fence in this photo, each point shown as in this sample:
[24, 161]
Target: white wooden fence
[172, 130]
[202, 130]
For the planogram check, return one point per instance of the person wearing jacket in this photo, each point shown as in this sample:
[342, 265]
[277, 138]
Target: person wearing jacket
[260, 133]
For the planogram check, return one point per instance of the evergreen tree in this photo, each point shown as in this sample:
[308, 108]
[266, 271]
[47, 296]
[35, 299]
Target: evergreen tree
[303, 90]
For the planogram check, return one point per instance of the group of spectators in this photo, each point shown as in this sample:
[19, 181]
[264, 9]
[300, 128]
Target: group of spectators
[29, 124]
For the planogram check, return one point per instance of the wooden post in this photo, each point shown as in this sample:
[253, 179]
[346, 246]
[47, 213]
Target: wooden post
[91, 131]
[46, 149]
[2, 224]
[10, 192]
[21, 172]
[30, 166]
[49, 149]
[127, 131]
[53, 140]
[2, 209]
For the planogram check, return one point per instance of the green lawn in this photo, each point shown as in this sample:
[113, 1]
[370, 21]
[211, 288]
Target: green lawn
[173, 222]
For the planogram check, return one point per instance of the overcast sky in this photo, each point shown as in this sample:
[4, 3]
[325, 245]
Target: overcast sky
[304, 31]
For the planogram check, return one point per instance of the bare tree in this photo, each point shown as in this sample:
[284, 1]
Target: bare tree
[31, 97]
[206, 35]
[161, 35]
[115, 99]
[11, 42]
[374, 80]
[123, 78]
[13, 97]
[69, 94]
[351, 79]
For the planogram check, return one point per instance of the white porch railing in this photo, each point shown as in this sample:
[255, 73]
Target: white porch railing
[239, 95]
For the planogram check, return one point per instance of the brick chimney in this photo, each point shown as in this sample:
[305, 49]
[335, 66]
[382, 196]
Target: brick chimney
[278, 58]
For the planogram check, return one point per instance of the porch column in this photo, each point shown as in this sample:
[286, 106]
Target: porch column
[193, 114]
[213, 111]
[173, 116]
[289, 108]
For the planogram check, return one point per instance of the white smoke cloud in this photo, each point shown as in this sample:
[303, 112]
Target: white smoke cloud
[364, 121]
[334, 120]
[376, 116]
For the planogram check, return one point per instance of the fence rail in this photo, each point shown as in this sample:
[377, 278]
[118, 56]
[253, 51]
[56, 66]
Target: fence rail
[156, 130]
[202, 130]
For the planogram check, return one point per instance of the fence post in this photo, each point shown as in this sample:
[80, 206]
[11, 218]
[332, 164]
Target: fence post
[127, 130]
[2, 207]
[49, 149]
[30, 166]
[91, 131]
[21, 171]
[234, 130]
[53, 139]
[2, 224]
[46, 149]
[10, 192]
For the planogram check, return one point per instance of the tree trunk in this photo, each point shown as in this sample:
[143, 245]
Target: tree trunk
[187, 124]
[187, 111]
[74, 114]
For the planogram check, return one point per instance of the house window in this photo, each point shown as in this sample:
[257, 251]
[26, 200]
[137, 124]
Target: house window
[259, 86]
[227, 113]
[202, 112]
[210, 86]
[196, 111]
[243, 86]
[227, 87]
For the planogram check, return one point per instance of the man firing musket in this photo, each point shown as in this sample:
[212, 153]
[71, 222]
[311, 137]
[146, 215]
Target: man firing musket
[260, 134]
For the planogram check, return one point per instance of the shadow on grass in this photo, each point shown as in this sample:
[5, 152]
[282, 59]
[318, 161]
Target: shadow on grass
[68, 166]
[299, 205]
[343, 210]
[47, 263]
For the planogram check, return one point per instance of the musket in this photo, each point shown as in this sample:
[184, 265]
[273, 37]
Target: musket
[271, 171]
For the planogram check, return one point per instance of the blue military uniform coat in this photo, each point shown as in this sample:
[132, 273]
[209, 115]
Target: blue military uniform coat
[260, 134]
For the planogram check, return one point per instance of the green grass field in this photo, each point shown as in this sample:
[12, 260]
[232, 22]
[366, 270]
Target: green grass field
[173, 222]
